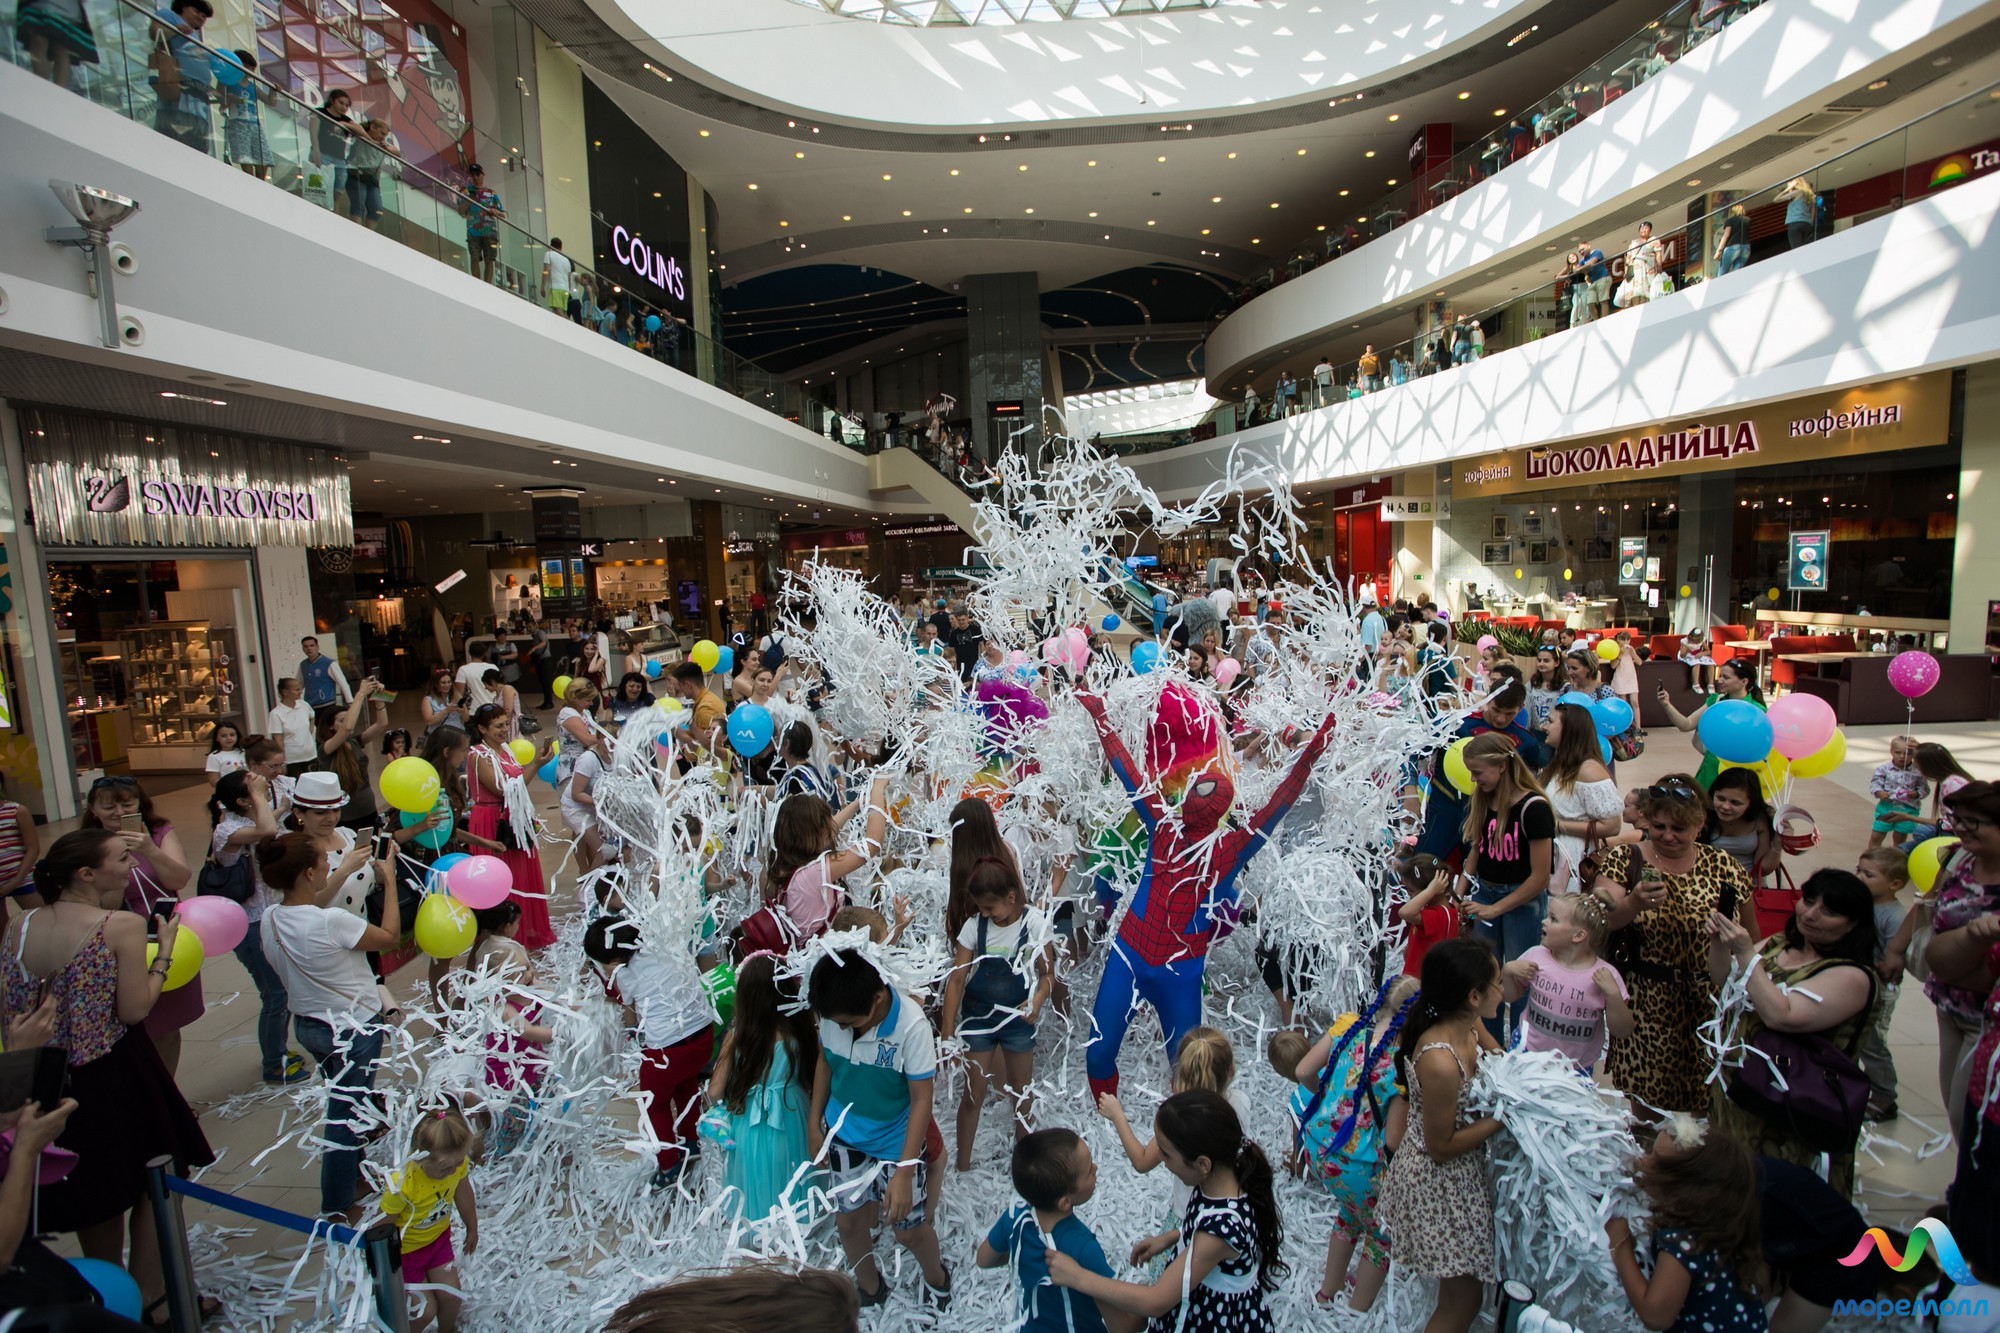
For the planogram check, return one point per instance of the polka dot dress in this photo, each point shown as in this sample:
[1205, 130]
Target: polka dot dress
[1228, 1299]
[1715, 1304]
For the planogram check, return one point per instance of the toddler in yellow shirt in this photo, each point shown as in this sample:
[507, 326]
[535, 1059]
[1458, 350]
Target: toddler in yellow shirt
[420, 1198]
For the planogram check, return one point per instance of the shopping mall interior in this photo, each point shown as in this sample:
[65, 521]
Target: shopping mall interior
[426, 328]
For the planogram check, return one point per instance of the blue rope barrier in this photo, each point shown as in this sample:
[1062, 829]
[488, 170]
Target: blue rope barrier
[334, 1232]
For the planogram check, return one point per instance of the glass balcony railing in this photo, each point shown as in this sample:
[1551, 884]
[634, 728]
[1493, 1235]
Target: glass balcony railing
[121, 56]
[1928, 154]
[1658, 44]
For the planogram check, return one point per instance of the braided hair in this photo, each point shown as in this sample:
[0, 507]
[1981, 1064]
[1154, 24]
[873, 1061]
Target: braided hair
[1371, 1051]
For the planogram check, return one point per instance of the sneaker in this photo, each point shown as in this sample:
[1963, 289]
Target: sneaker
[295, 1072]
[879, 1296]
[668, 1176]
[937, 1298]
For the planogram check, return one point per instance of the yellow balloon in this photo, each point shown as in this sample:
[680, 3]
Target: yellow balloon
[1824, 760]
[1926, 860]
[1773, 594]
[186, 959]
[1455, 771]
[1686, 591]
[1607, 650]
[560, 685]
[1770, 773]
[410, 784]
[522, 749]
[1517, 573]
[705, 654]
[1567, 575]
[444, 926]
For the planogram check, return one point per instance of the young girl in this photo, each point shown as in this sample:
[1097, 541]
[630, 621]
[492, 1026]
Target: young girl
[1509, 837]
[1353, 1118]
[1435, 1199]
[1697, 656]
[1429, 911]
[395, 744]
[1573, 995]
[1545, 687]
[1707, 1224]
[802, 878]
[1739, 823]
[513, 1058]
[225, 753]
[1225, 1251]
[760, 1092]
[420, 1198]
[985, 998]
[1946, 775]
[1625, 673]
[1206, 1063]
[1899, 790]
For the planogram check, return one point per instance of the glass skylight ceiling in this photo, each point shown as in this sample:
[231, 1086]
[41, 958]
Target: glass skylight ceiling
[994, 13]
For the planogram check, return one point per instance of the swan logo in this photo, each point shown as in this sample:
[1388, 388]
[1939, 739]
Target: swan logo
[107, 495]
[1930, 1232]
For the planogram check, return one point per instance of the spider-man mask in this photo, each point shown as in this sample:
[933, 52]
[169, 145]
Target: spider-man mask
[1209, 796]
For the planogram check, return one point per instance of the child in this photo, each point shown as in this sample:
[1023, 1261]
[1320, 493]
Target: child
[802, 879]
[1545, 687]
[761, 1091]
[1899, 791]
[985, 998]
[1946, 775]
[856, 917]
[1707, 1225]
[1225, 1251]
[872, 1093]
[1697, 656]
[395, 744]
[1429, 912]
[675, 1019]
[1573, 995]
[225, 753]
[1739, 822]
[1625, 674]
[1052, 1170]
[1206, 1063]
[513, 1059]
[420, 1199]
[1353, 1117]
[1885, 870]
[1434, 1199]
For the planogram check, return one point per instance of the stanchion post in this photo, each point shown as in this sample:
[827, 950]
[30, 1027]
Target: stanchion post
[383, 1245]
[183, 1303]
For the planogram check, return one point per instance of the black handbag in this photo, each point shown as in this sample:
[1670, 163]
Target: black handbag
[1804, 1085]
[235, 882]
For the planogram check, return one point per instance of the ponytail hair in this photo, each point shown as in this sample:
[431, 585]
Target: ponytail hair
[1517, 780]
[69, 856]
[1206, 1062]
[1453, 970]
[1204, 1124]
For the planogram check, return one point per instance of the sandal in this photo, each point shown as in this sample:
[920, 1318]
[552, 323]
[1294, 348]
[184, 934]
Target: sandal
[209, 1306]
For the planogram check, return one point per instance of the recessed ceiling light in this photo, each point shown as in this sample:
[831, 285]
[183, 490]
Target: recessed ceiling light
[1393, 118]
[783, 223]
[887, 176]
[1392, 180]
[906, 212]
[1023, 166]
[1204, 231]
[1093, 215]
[1274, 204]
[1695, 181]
[969, 210]
[1216, 200]
[1369, 153]
[1161, 159]
[798, 154]
[1232, 156]
[847, 217]
[1256, 240]
[1302, 152]
[1150, 221]
[954, 171]
[1027, 210]
[1464, 96]
[1343, 194]
[1321, 227]
[1878, 85]
[1091, 163]
[752, 187]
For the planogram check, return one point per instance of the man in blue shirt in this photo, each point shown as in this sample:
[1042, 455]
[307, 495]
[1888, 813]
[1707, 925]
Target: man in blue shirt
[182, 112]
[1444, 810]
[1598, 274]
[321, 676]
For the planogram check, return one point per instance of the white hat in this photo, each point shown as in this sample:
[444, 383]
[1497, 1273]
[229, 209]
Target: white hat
[318, 791]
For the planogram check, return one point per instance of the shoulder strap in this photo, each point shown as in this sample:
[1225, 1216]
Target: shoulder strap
[1861, 1021]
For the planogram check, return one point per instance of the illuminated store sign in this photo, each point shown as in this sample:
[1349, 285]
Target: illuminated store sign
[662, 270]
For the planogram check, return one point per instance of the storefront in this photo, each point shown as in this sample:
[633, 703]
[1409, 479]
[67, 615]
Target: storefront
[1701, 517]
[173, 582]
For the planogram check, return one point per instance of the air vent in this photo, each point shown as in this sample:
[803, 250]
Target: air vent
[1819, 122]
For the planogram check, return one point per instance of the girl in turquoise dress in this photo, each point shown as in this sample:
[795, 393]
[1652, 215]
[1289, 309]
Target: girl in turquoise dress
[760, 1093]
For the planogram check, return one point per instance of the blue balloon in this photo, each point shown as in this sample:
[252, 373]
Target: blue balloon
[1111, 623]
[1613, 716]
[1579, 698]
[750, 729]
[547, 772]
[725, 661]
[1145, 656]
[434, 878]
[1735, 732]
[229, 72]
[652, 323]
[1604, 749]
[436, 838]
[114, 1284]
[654, 670]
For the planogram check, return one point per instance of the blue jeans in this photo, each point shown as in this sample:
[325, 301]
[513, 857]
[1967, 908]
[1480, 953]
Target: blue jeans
[1511, 935]
[350, 1078]
[1733, 258]
[274, 1019]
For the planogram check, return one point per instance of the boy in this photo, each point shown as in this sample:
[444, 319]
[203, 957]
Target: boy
[1572, 995]
[1899, 791]
[872, 1092]
[1286, 1050]
[1885, 870]
[1053, 1171]
[676, 1031]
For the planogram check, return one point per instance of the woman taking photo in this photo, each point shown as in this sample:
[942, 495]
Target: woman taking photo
[1967, 892]
[1662, 893]
[1829, 942]
[1734, 679]
[502, 812]
[441, 707]
[1587, 804]
[160, 872]
[321, 954]
[90, 958]
[343, 750]
[241, 813]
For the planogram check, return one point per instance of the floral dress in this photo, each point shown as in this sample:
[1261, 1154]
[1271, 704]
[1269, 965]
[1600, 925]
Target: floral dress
[1229, 1299]
[1440, 1214]
[1663, 956]
[1352, 1113]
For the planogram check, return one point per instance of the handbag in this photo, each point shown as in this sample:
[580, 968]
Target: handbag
[164, 71]
[236, 882]
[1804, 1085]
[1627, 745]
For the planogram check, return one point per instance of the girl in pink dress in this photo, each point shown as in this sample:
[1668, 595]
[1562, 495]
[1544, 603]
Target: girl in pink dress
[501, 812]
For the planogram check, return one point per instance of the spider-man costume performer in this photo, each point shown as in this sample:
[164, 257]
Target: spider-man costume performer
[1190, 871]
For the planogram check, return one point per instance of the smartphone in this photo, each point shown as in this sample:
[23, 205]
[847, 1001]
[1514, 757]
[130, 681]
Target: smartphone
[40, 1074]
[385, 845]
[132, 823]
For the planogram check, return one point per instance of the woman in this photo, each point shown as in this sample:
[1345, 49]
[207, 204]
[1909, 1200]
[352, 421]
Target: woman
[575, 731]
[1587, 804]
[1662, 893]
[91, 958]
[502, 812]
[590, 663]
[1733, 680]
[1946, 776]
[441, 706]
[634, 697]
[160, 871]
[333, 131]
[1509, 841]
[1732, 241]
[321, 954]
[1801, 211]
[343, 749]
[1830, 942]
[242, 816]
[1966, 893]
[1643, 264]
[635, 661]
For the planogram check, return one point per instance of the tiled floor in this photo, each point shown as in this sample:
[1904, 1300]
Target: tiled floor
[1907, 1165]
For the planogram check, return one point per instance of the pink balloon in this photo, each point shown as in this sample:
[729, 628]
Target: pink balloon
[480, 881]
[1486, 641]
[1227, 670]
[1017, 658]
[1914, 673]
[1801, 724]
[217, 922]
[1052, 650]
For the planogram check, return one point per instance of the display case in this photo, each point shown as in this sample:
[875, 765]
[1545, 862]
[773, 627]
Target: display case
[181, 676]
[100, 724]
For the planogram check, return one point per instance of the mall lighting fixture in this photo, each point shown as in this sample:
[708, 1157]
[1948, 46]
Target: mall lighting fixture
[434, 439]
[1369, 153]
[193, 398]
[97, 212]
[1464, 96]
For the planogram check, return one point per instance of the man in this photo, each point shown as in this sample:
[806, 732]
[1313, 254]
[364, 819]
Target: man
[1323, 381]
[1371, 370]
[557, 273]
[183, 110]
[705, 732]
[482, 211]
[759, 625]
[927, 640]
[472, 678]
[543, 663]
[1598, 274]
[291, 722]
[1444, 812]
[965, 640]
[321, 676]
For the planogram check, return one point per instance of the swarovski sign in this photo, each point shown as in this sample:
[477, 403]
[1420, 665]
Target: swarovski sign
[662, 270]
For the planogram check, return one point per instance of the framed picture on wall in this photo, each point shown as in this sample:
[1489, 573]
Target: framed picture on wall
[1497, 553]
[1538, 553]
[1596, 548]
[1502, 527]
[1531, 525]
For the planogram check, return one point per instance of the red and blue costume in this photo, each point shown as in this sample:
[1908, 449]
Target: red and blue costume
[1187, 882]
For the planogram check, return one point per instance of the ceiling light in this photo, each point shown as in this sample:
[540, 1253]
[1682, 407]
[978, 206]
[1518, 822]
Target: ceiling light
[752, 187]
[1162, 159]
[969, 210]
[1464, 96]
[1274, 205]
[193, 398]
[1321, 227]
[1256, 240]
[1204, 231]
[1499, 110]
[906, 212]
[434, 439]
[1393, 118]
[886, 176]
[1302, 152]
[783, 223]
[1149, 222]
[1216, 200]
[1093, 215]
[1695, 181]
[1369, 153]
[1343, 194]
[1392, 181]
[1878, 85]
[1232, 157]
[847, 217]
[1091, 163]
[704, 134]
[1024, 166]
[1027, 210]
[954, 171]
[798, 154]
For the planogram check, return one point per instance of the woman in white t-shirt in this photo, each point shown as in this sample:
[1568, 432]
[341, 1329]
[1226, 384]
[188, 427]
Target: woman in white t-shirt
[241, 812]
[321, 954]
[225, 752]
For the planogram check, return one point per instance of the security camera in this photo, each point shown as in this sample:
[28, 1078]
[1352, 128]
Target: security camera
[123, 259]
[93, 209]
[130, 331]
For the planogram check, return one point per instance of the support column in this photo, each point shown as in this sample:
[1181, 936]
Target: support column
[1411, 570]
[1003, 349]
[707, 515]
[1707, 528]
[559, 560]
[1975, 562]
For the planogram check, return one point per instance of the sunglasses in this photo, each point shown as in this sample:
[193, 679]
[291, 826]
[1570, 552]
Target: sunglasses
[1672, 790]
[102, 783]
